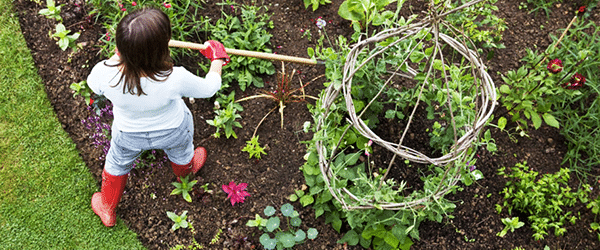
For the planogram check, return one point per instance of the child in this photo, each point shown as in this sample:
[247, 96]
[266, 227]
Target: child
[146, 92]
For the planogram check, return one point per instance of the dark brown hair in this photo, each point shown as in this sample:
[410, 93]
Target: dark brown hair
[143, 42]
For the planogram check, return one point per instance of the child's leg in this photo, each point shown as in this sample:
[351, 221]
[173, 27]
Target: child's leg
[180, 149]
[114, 178]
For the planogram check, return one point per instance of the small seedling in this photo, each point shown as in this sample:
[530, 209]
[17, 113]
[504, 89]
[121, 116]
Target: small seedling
[184, 188]
[82, 89]
[180, 220]
[64, 39]
[510, 224]
[288, 238]
[52, 11]
[253, 148]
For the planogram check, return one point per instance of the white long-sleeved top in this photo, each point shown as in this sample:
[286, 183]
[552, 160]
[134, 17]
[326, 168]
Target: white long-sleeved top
[162, 106]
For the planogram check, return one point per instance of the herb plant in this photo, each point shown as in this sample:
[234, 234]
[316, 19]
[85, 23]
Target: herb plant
[184, 188]
[315, 3]
[285, 238]
[510, 224]
[542, 199]
[64, 39]
[226, 117]
[253, 148]
[51, 10]
[363, 13]
[81, 88]
[180, 220]
[247, 32]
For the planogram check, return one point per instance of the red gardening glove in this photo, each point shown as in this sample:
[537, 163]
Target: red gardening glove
[215, 50]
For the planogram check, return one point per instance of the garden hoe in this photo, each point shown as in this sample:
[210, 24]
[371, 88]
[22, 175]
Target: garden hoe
[238, 52]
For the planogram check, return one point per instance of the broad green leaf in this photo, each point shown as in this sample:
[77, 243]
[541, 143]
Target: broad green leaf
[550, 120]
[272, 224]
[267, 242]
[287, 210]
[312, 233]
[300, 235]
[351, 237]
[269, 211]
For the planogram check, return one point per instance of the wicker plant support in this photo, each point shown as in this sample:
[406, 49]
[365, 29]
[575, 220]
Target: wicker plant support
[485, 103]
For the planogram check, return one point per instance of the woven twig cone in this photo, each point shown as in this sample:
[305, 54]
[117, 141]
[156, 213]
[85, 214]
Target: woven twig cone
[484, 102]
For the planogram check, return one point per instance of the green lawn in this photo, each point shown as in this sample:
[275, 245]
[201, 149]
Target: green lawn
[45, 187]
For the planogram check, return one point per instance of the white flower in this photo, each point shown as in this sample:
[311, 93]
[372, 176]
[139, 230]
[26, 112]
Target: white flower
[321, 23]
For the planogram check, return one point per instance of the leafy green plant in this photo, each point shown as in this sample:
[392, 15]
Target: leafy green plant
[287, 237]
[363, 13]
[51, 10]
[247, 32]
[578, 110]
[304, 198]
[81, 88]
[184, 188]
[253, 148]
[315, 3]
[510, 224]
[544, 5]
[226, 117]
[543, 199]
[64, 39]
[180, 220]
[479, 23]
[185, 17]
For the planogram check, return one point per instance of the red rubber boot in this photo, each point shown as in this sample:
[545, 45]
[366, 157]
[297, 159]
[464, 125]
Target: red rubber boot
[193, 166]
[104, 203]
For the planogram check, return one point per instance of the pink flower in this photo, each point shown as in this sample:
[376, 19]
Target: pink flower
[555, 66]
[123, 9]
[236, 192]
[167, 5]
[576, 82]
[133, 3]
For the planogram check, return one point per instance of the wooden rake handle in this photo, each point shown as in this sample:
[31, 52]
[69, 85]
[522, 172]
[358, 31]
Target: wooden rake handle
[239, 52]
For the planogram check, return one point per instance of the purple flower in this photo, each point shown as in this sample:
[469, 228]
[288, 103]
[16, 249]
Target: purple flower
[235, 192]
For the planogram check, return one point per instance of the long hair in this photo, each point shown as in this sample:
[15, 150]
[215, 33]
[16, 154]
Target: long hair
[143, 42]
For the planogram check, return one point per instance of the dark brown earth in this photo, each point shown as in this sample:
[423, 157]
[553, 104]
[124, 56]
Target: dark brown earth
[274, 177]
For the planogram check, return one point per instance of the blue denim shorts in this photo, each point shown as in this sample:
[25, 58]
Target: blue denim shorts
[125, 147]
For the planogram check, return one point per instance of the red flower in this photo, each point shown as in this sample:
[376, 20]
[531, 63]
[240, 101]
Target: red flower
[555, 66]
[167, 5]
[123, 9]
[133, 3]
[581, 10]
[236, 192]
[576, 82]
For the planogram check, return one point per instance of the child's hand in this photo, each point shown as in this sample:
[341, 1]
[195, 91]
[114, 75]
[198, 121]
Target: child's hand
[215, 50]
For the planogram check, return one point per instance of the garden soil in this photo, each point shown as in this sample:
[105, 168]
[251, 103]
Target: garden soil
[273, 178]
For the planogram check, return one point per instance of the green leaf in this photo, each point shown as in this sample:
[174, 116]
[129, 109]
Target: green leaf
[287, 210]
[312, 233]
[310, 51]
[300, 235]
[306, 200]
[267, 242]
[550, 120]
[269, 211]
[295, 221]
[505, 89]
[272, 224]
[535, 118]
[287, 240]
[502, 123]
[351, 237]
